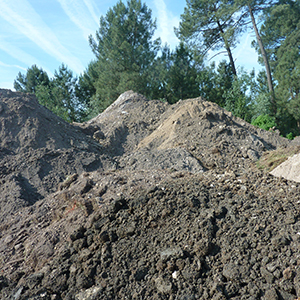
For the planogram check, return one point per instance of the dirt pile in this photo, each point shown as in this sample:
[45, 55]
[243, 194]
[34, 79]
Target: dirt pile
[37, 151]
[171, 206]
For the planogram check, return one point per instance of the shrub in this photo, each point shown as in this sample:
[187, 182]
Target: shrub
[264, 121]
[290, 136]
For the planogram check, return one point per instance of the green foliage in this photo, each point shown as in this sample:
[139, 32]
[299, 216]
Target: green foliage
[209, 25]
[128, 57]
[280, 33]
[215, 82]
[290, 136]
[33, 78]
[238, 98]
[160, 76]
[177, 74]
[125, 53]
[59, 94]
[264, 122]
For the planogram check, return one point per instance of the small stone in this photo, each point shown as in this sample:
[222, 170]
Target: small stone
[140, 273]
[17, 295]
[231, 272]
[253, 155]
[287, 273]
[267, 275]
[89, 294]
[163, 285]
[84, 255]
[99, 135]
[171, 253]
[175, 274]
[77, 234]
[286, 295]
[271, 267]
[34, 280]
[104, 236]
[271, 294]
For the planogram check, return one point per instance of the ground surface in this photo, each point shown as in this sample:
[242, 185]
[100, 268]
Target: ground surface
[145, 201]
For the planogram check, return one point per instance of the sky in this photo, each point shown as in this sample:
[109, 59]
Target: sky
[51, 32]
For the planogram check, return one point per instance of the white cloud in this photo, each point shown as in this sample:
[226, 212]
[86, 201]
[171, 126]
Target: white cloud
[17, 53]
[93, 10]
[82, 14]
[24, 18]
[12, 66]
[166, 22]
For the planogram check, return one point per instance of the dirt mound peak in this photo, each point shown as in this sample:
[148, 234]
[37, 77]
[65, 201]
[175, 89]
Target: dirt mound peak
[38, 150]
[26, 124]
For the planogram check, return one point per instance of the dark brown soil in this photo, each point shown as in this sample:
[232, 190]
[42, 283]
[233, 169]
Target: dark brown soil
[145, 201]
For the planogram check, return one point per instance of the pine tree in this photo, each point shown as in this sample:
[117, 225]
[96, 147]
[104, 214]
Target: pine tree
[249, 9]
[209, 25]
[125, 52]
[159, 83]
[59, 94]
[182, 81]
[281, 35]
[33, 78]
[214, 82]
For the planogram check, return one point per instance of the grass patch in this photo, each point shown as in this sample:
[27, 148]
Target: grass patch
[272, 159]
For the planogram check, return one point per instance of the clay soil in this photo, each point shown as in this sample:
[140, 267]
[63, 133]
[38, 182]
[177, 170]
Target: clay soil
[146, 201]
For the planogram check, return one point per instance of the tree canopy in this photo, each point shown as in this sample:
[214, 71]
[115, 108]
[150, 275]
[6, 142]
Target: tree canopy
[209, 25]
[125, 52]
[34, 76]
[127, 56]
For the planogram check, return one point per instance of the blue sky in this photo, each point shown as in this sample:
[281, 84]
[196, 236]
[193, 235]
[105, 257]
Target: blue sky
[51, 32]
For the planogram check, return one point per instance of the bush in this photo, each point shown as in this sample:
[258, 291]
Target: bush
[264, 121]
[290, 136]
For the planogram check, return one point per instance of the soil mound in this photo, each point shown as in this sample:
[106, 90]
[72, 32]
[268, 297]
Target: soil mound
[37, 151]
[162, 202]
[126, 122]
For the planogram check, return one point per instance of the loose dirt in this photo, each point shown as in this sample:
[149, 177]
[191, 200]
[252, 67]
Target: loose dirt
[146, 201]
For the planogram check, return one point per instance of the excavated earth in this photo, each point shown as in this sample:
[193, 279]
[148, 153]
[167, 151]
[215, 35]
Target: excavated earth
[146, 201]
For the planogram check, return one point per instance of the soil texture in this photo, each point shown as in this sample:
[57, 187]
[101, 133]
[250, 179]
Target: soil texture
[145, 201]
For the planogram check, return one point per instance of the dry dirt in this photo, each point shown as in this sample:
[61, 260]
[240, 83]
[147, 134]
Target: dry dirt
[146, 201]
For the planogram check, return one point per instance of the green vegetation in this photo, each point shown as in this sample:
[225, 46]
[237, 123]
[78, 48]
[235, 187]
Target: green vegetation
[128, 57]
[264, 122]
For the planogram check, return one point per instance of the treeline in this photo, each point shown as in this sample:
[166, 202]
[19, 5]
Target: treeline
[128, 57]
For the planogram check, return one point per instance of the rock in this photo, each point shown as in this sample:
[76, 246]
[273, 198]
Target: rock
[271, 294]
[3, 282]
[34, 280]
[286, 296]
[78, 233]
[99, 135]
[288, 273]
[269, 277]
[171, 253]
[92, 293]
[140, 273]
[253, 155]
[163, 285]
[231, 272]
[17, 294]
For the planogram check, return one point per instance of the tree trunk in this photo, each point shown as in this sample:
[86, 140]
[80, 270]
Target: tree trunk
[266, 61]
[228, 50]
[231, 60]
